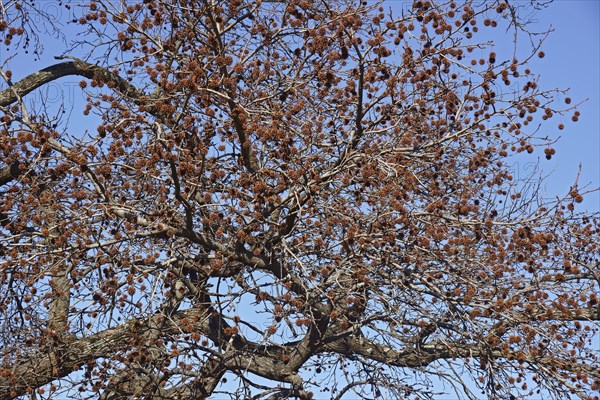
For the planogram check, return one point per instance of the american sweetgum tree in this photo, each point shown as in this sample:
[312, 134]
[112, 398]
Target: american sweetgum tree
[302, 198]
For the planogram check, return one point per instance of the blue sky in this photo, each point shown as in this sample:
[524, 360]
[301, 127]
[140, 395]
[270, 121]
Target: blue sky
[572, 61]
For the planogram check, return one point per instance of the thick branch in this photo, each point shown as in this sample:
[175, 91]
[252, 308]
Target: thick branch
[425, 355]
[49, 364]
[11, 172]
[54, 72]
[53, 363]
[209, 377]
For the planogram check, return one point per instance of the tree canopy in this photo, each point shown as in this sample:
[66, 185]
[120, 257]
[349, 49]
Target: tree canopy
[300, 199]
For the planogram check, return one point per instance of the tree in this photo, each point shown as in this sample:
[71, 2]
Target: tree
[316, 193]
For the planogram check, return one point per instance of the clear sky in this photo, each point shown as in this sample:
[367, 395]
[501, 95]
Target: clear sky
[573, 61]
